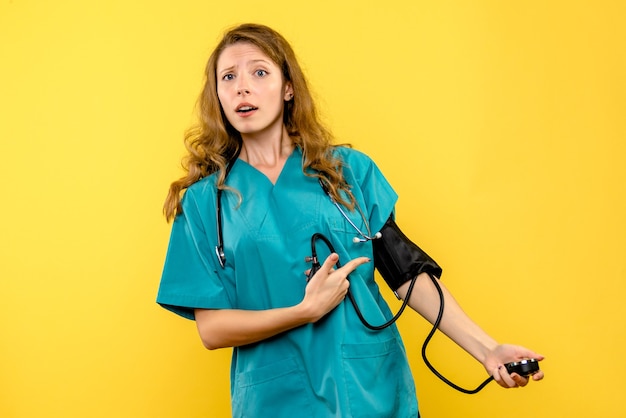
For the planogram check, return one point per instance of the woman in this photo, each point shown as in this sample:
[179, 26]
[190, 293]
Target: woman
[237, 259]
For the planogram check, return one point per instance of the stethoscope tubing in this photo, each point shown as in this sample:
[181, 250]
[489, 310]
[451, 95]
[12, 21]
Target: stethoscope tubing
[362, 237]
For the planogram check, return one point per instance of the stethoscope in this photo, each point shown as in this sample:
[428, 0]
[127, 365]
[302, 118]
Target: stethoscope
[219, 248]
[361, 237]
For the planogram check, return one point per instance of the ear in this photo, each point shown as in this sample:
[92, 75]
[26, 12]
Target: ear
[288, 91]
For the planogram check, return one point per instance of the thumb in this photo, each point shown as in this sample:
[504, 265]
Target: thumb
[330, 261]
[524, 352]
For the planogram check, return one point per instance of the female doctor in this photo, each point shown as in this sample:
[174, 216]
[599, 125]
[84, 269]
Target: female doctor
[237, 258]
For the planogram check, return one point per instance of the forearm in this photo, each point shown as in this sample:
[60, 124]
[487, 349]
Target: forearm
[221, 328]
[455, 323]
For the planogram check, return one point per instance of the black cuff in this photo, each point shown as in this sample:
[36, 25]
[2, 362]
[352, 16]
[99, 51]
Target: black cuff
[398, 259]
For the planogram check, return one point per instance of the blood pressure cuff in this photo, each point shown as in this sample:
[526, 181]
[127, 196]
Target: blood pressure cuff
[398, 259]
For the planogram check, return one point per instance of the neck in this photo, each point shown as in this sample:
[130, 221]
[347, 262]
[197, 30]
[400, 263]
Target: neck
[267, 152]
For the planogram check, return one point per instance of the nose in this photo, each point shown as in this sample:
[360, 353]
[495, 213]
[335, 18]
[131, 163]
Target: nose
[242, 86]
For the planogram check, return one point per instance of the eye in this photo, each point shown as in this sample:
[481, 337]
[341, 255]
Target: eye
[260, 73]
[228, 77]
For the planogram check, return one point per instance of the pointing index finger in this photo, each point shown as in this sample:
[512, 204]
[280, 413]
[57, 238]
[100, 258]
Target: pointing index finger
[351, 265]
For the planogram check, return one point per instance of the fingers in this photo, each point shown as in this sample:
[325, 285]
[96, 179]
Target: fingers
[351, 265]
[520, 381]
[329, 285]
[538, 376]
[525, 353]
[506, 353]
[514, 380]
[506, 380]
[346, 269]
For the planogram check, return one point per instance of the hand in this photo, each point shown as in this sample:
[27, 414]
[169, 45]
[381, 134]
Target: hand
[328, 287]
[505, 353]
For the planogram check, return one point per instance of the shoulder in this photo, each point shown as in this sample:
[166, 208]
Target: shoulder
[201, 192]
[206, 185]
[368, 185]
[360, 169]
[353, 159]
[348, 153]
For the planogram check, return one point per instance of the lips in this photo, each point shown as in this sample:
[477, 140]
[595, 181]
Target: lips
[245, 108]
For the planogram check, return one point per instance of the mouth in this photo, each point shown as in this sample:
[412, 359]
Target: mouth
[245, 108]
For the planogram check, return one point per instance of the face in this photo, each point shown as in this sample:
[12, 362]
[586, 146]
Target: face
[251, 90]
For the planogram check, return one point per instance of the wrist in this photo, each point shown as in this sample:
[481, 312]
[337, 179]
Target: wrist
[305, 313]
[488, 347]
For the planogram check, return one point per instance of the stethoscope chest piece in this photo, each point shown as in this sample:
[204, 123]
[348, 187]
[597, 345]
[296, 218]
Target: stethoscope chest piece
[221, 257]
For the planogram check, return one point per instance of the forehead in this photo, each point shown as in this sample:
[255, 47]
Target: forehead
[241, 53]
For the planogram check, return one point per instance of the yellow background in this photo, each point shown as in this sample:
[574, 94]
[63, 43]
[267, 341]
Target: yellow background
[501, 125]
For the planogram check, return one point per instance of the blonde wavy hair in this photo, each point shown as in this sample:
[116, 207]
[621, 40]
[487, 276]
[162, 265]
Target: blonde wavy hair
[214, 142]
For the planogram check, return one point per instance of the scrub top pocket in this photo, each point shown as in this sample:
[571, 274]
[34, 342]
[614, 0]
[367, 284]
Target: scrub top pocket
[267, 388]
[380, 370]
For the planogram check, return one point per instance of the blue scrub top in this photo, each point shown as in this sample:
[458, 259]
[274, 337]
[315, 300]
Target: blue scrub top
[334, 368]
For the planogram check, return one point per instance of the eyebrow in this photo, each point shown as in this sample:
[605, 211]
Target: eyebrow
[251, 62]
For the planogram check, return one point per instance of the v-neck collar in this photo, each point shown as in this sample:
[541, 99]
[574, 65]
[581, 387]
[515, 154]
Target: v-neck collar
[295, 156]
